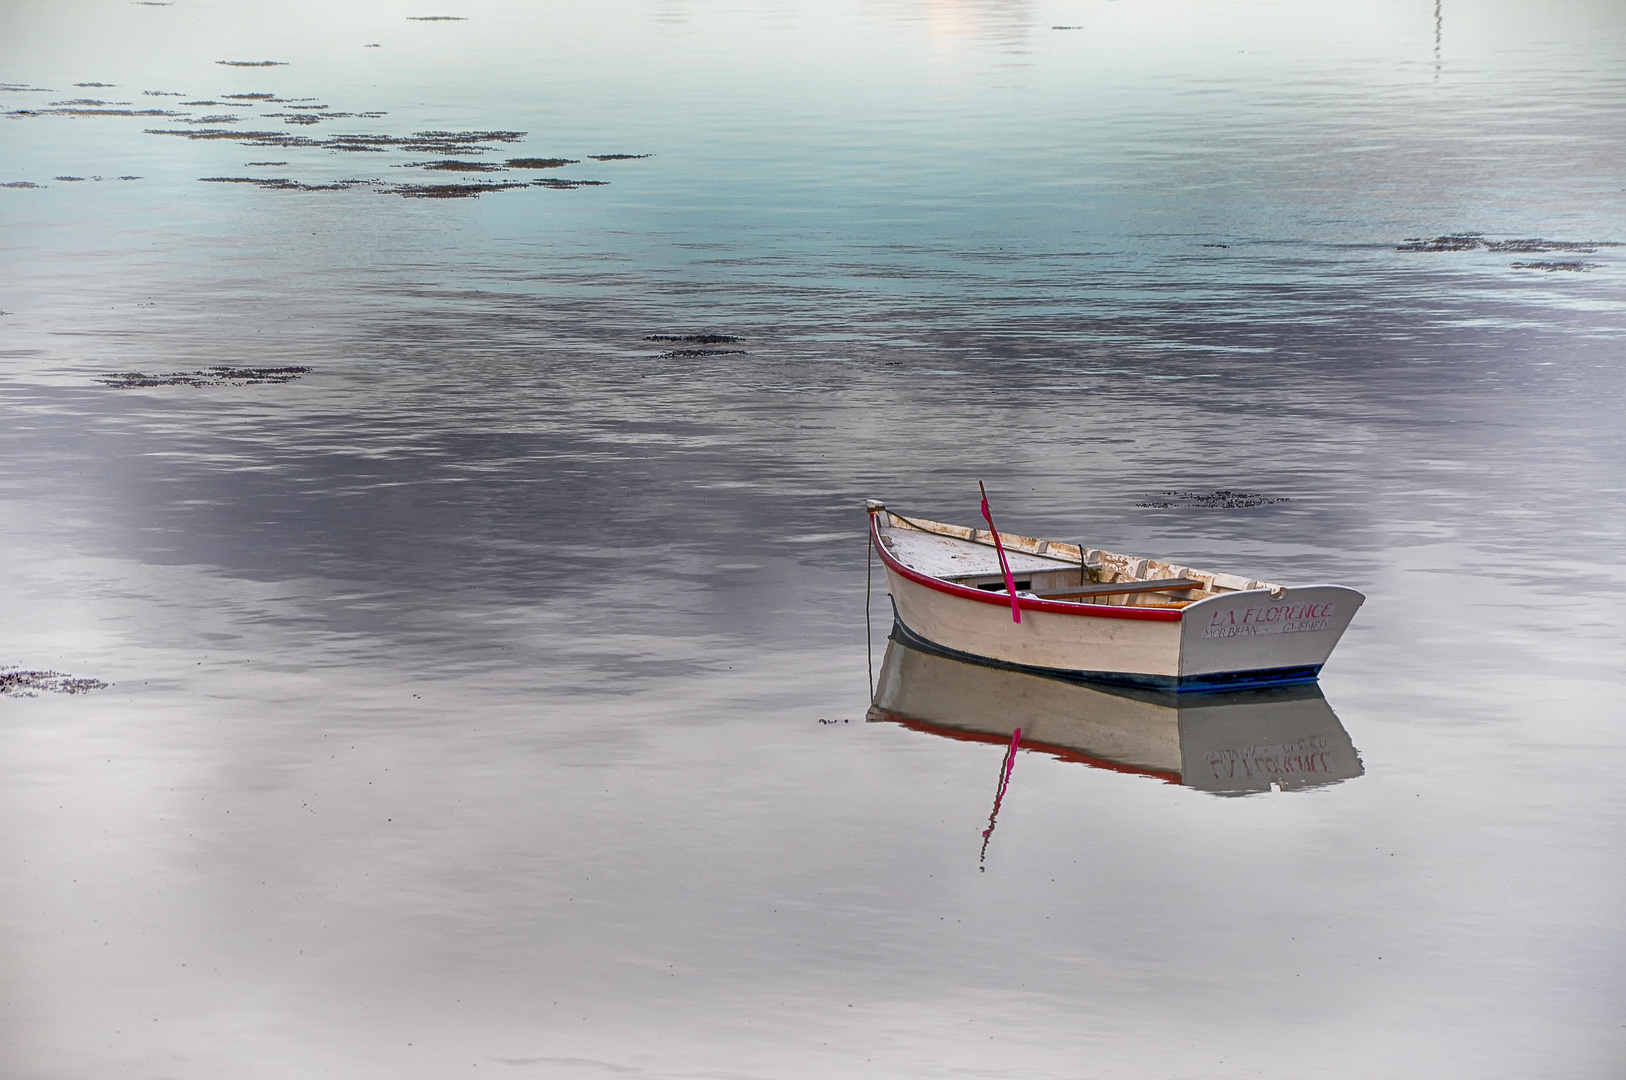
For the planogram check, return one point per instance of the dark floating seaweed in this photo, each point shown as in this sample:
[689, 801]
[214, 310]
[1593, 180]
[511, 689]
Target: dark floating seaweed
[98, 85]
[19, 683]
[680, 354]
[1477, 242]
[442, 142]
[1220, 499]
[540, 162]
[316, 117]
[448, 191]
[75, 111]
[696, 339]
[408, 191]
[282, 183]
[454, 166]
[162, 93]
[21, 88]
[436, 18]
[1580, 267]
[619, 157]
[219, 375]
[73, 179]
[252, 63]
[449, 149]
[20, 184]
[1453, 242]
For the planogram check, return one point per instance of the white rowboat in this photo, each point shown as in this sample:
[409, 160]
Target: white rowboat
[1100, 616]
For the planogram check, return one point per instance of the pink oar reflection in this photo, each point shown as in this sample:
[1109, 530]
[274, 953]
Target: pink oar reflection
[999, 796]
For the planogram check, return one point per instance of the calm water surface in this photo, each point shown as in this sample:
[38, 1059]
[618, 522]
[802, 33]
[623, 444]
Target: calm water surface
[491, 698]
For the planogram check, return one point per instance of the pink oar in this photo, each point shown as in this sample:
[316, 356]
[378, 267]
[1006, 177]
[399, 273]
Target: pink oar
[1005, 567]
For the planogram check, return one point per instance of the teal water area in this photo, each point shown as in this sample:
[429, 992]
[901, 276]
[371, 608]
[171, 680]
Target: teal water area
[478, 573]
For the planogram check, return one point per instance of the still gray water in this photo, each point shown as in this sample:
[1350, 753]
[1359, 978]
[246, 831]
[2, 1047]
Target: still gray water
[490, 696]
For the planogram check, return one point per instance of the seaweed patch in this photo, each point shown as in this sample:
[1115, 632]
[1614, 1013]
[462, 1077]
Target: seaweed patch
[78, 111]
[1574, 267]
[252, 63]
[16, 682]
[98, 85]
[1219, 499]
[436, 18]
[317, 117]
[540, 162]
[449, 143]
[619, 157]
[1477, 242]
[449, 191]
[567, 185]
[282, 183]
[454, 166]
[696, 339]
[219, 375]
[19, 184]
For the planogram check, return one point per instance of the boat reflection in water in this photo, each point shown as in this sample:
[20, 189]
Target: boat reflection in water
[1228, 743]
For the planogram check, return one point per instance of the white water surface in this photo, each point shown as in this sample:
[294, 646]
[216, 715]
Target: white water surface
[490, 699]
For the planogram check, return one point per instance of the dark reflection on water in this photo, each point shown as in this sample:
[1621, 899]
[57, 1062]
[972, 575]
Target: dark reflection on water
[465, 690]
[1226, 743]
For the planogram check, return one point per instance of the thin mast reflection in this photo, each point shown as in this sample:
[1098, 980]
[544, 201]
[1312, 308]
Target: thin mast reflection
[999, 795]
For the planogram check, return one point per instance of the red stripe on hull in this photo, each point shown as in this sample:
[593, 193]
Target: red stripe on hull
[1060, 752]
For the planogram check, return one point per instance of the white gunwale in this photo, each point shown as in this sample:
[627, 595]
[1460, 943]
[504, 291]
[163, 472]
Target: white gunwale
[1114, 568]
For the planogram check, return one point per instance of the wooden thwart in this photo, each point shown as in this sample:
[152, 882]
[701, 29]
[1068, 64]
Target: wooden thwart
[1164, 585]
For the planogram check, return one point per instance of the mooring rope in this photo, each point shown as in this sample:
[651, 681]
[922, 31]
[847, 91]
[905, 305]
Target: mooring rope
[869, 634]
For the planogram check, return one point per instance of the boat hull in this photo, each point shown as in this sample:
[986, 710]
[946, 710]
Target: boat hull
[1235, 640]
[1228, 680]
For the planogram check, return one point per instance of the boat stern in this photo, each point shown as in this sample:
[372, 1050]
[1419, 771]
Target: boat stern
[1262, 636]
